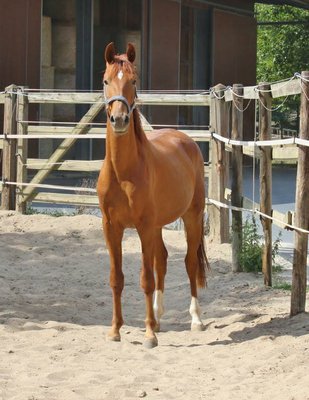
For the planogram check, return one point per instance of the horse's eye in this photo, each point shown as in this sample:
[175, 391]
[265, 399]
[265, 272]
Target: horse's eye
[134, 82]
[105, 82]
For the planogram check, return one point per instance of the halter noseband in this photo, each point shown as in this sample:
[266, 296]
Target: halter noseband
[123, 100]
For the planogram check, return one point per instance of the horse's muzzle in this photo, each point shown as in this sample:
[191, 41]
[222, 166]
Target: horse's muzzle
[120, 122]
[119, 118]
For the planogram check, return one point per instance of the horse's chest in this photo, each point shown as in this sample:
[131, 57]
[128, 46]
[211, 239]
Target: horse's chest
[122, 201]
[123, 193]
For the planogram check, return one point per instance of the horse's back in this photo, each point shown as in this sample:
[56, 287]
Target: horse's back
[178, 169]
[171, 141]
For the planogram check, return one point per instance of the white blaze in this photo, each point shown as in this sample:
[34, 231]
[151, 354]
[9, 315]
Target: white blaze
[120, 75]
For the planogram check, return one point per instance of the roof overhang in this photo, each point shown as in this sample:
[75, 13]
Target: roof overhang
[295, 3]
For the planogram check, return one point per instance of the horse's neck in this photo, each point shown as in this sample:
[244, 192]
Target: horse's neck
[125, 153]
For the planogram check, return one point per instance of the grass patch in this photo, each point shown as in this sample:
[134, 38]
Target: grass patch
[282, 285]
[250, 256]
[53, 213]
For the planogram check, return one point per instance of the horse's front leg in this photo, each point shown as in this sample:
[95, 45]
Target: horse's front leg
[148, 283]
[113, 236]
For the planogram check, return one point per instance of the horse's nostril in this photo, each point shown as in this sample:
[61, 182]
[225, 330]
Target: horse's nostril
[126, 119]
[112, 118]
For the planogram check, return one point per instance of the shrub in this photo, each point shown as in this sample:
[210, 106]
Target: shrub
[250, 256]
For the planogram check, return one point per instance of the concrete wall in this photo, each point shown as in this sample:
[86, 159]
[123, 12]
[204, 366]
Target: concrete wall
[64, 60]
[58, 61]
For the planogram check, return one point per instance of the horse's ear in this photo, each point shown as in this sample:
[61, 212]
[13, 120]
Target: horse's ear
[110, 53]
[131, 52]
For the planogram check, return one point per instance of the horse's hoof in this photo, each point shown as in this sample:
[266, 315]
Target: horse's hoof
[113, 337]
[197, 327]
[150, 343]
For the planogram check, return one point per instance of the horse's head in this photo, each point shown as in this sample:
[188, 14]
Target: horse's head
[119, 87]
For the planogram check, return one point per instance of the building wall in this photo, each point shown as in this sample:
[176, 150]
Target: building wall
[58, 62]
[163, 52]
[219, 46]
[234, 48]
[60, 52]
[240, 6]
[20, 30]
[20, 49]
[234, 55]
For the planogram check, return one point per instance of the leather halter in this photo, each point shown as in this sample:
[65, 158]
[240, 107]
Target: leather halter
[123, 100]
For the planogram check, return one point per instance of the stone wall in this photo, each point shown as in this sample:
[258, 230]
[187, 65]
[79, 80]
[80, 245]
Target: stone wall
[58, 61]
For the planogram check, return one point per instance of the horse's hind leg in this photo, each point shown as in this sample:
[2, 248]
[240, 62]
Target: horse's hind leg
[160, 261]
[193, 221]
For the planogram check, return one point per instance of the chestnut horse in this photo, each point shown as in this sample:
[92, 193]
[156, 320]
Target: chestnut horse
[146, 182]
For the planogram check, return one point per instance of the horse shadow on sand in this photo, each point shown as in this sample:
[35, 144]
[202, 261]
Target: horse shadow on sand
[272, 329]
[40, 283]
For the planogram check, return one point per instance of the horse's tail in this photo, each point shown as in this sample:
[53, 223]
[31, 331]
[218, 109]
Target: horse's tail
[203, 264]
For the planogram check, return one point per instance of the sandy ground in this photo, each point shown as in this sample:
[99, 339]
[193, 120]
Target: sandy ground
[55, 310]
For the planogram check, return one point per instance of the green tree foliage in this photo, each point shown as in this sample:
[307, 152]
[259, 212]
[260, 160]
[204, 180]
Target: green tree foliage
[282, 50]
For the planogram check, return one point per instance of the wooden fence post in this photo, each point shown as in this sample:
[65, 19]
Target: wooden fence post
[9, 149]
[218, 176]
[22, 148]
[237, 175]
[299, 276]
[266, 179]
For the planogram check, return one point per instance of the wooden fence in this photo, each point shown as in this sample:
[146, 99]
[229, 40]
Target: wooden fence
[264, 93]
[226, 152]
[15, 168]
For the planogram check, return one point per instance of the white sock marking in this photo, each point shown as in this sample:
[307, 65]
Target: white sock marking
[195, 312]
[158, 306]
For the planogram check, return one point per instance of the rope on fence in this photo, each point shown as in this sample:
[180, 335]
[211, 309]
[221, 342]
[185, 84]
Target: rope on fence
[67, 162]
[76, 136]
[275, 108]
[255, 211]
[259, 143]
[256, 88]
[284, 82]
[103, 124]
[43, 123]
[46, 186]
[99, 91]
[55, 136]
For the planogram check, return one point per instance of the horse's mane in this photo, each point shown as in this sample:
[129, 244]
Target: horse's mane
[139, 131]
